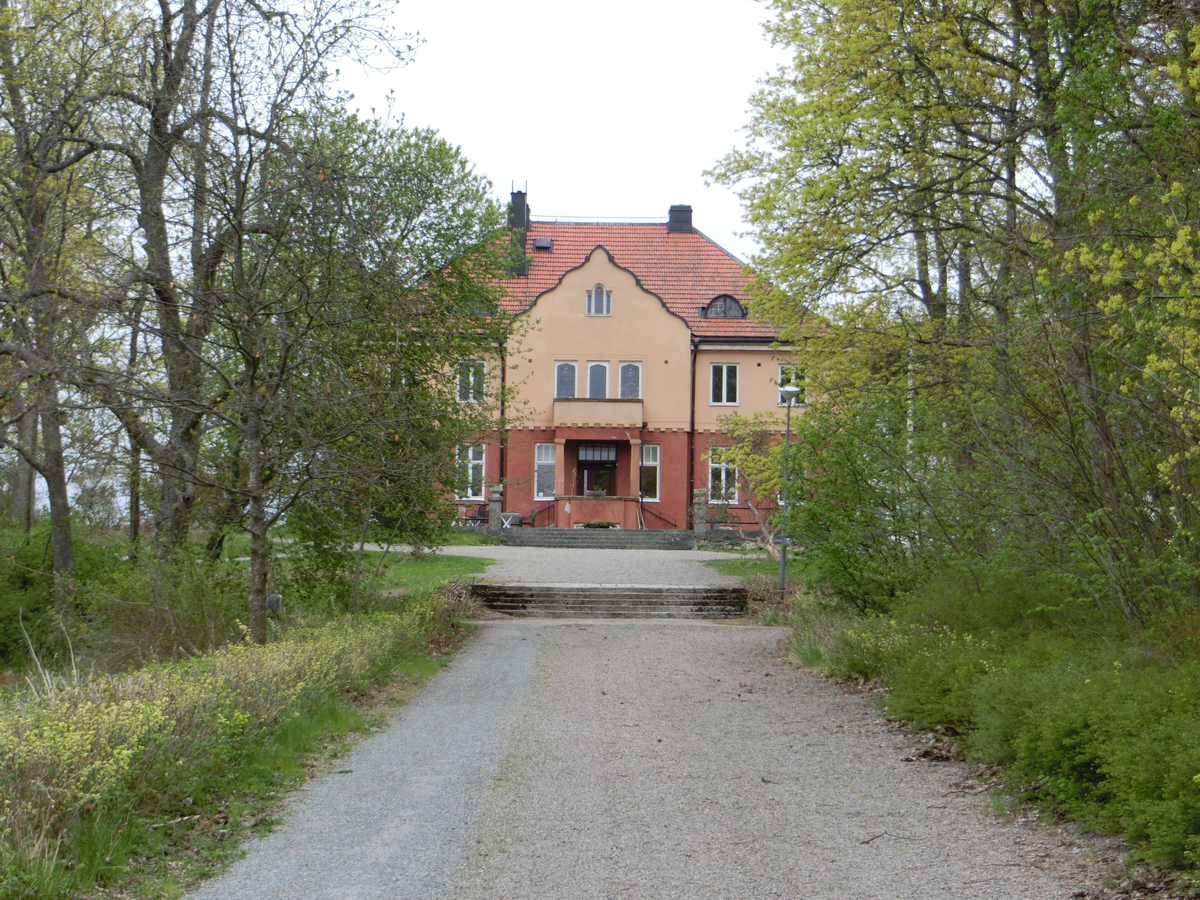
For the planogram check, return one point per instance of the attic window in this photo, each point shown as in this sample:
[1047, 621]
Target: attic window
[543, 244]
[724, 307]
[599, 301]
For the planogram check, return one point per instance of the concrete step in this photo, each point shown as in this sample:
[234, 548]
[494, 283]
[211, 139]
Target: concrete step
[601, 538]
[612, 601]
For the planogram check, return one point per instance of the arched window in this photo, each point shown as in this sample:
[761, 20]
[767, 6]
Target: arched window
[599, 301]
[564, 381]
[598, 381]
[724, 307]
[631, 381]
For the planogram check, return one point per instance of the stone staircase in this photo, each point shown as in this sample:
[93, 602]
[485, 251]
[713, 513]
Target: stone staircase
[601, 538]
[612, 601]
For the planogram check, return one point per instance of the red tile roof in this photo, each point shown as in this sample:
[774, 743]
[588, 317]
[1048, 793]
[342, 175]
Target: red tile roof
[685, 269]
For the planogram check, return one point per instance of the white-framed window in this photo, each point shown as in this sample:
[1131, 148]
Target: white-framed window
[631, 380]
[722, 482]
[793, 375]
[564, 381]
[472, 381]
[599, 301]
[544, 458]
[471, 468]
[724, 384]
[650, 456]
[597, 380]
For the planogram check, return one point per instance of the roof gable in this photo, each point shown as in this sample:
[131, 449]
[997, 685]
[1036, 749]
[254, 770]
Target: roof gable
[685, 270]
[582, 263]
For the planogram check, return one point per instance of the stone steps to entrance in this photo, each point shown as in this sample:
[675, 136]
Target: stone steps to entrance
[601, 538]
[612, 601]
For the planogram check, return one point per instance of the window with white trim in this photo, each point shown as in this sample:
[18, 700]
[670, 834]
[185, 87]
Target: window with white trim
[631, 381]
[793, 375]
[545, 456]
[471, 468]
[650, 456]
[471, 381]
[724, 384]
[599, 301]
[564, 381]
[597, 381]
[722, 482]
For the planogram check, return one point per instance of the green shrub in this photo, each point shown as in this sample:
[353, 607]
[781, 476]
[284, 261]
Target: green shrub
[155, 741]
[27, 588]
[816, 625]
[1103, 727]
[146, 611]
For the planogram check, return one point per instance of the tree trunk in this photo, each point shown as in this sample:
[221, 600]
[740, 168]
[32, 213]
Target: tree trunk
[257, 525]
[54, 471]
[24, 494]
[135, 495]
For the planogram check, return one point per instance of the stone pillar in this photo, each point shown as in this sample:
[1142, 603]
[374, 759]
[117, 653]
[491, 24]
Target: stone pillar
[700, 512]
[495, 508]
[562, 509]
[635, 468]
[560, 467]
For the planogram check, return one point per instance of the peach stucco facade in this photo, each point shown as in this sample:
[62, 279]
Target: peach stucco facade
[632, 345]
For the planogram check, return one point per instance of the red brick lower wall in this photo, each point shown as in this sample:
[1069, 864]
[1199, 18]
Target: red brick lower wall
[674, 491]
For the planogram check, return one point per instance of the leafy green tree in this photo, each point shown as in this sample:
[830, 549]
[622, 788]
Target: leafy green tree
[982, 200]
[364, 265]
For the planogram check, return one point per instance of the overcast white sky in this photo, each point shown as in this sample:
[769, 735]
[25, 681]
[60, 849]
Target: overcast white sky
[607, 109]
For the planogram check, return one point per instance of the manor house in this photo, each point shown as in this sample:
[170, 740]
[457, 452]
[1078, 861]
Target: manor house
[638, 343]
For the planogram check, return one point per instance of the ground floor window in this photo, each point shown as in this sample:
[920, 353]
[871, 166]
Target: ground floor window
[650, 453]
[544, 459]
[722, 482]
[471, 459]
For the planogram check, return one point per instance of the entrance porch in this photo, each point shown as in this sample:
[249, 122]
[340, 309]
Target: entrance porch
[599, 480]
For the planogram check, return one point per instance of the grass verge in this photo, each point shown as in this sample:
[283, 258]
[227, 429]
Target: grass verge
[139, 784]
[414, 574]
[745, 565]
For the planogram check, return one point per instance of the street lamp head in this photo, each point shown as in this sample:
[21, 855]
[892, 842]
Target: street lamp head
[790, 392]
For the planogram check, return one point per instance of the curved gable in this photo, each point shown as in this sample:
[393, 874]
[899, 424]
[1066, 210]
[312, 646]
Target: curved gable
[616, 265]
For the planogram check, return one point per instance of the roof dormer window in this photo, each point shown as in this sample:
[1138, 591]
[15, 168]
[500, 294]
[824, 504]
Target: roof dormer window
[723, 307]
[599, 301]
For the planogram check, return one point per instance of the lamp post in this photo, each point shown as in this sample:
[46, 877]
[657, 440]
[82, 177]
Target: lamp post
[789, 393]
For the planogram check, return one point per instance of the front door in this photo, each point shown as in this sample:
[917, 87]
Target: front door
[598, 469]
[598, 478]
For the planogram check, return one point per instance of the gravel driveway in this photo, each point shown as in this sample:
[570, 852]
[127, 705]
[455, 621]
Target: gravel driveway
[554, 565]
[559, 759]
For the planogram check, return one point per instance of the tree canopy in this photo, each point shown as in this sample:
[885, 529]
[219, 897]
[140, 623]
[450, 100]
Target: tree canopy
[993, 206]
[208, 259]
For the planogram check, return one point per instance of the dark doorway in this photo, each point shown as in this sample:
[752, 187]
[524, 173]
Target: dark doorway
[597, 469]
[598, 478]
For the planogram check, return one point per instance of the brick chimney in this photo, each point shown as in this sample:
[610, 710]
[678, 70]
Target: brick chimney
[518, 221]
[679, 218]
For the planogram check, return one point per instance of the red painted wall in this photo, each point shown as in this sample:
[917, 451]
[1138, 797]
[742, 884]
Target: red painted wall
[674, 491]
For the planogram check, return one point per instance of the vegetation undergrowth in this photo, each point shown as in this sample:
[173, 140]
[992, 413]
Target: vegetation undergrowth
[1097, 723]
[417, 573]
[144, 776]
[470, 539]
[757, 564]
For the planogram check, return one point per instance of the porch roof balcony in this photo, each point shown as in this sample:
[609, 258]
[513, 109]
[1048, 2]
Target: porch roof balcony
[612, 413]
